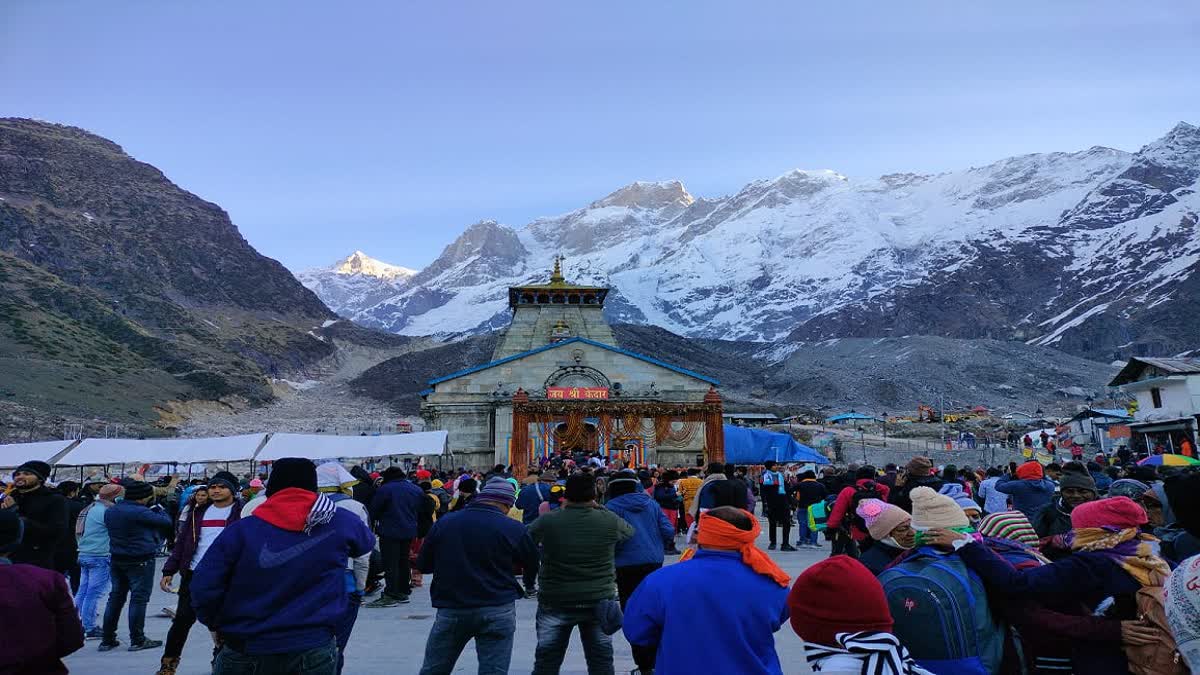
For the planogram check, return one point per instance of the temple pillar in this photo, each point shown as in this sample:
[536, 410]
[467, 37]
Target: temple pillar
[714, 434]
[520, 435]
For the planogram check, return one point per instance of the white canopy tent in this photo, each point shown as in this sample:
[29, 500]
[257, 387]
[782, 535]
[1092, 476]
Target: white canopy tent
[15, 454]
[104, 451]
[325, 446]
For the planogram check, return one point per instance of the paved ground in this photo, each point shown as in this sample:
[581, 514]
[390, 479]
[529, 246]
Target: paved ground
[393, 640]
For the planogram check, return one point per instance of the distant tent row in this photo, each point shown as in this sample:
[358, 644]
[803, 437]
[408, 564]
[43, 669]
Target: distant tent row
[851, 417]
[755, 446]
[249, 447]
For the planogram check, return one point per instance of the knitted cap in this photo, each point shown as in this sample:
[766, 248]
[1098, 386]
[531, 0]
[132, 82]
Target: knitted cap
[1128, 487]
[1010, 525]
[423, 474]
[955, 491]
[1119, 512]
[1074, 479]
[35, 467]
[498, 491]
[1030, 470]
[110, 492]
[881, 517]
[919, 466]
[837, 595]
[225, 478]
[292, 472]
[932, 510]
[436, 484]
[137, 490]
[256, 483]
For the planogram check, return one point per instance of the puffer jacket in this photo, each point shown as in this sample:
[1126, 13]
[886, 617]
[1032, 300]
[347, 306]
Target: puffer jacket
[651, 529]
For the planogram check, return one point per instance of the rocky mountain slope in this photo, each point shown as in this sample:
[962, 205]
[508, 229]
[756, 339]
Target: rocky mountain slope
[120, 291]
[355, 281]
[880, 375]
[1091, 252]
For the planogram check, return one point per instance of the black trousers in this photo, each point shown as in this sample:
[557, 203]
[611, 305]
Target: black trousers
[628, 578]
[778, 516]
[185, 618]
[396, 572]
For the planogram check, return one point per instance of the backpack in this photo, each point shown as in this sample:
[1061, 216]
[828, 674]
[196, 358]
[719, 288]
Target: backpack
[868, 490]
[942, 615]
[1161, 658]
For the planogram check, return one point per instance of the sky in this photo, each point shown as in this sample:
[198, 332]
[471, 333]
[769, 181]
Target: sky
[390, 126]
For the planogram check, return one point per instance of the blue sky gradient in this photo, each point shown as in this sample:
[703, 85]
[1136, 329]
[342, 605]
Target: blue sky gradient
[385, 126]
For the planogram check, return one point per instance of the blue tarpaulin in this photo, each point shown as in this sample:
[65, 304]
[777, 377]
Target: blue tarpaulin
[850, 417]
[755, 446]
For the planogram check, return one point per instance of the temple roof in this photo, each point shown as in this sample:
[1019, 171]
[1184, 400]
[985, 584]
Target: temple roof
[539, 294]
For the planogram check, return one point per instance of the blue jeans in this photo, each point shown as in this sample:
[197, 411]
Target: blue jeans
[807, 536]
[137, 581]
[554, 626]
[95, 576]
[492, 628]
[316, 661]
[344, 627]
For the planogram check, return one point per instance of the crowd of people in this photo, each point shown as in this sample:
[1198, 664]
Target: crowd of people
[1025, 568]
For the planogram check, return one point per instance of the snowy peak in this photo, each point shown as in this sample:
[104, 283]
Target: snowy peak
[361, 264]
[647, 195]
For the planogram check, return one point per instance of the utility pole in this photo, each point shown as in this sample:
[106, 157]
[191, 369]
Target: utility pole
[942, 416]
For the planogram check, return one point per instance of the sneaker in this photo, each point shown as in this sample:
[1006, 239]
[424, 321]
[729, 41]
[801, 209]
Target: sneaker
[382, 601]
[109, 646]
[770, 547]
[145, 644]
[787, 547]
[531, 593]
[93, 634]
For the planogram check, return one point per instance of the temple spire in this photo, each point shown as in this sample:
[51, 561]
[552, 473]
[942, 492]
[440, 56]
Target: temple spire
[556, 275]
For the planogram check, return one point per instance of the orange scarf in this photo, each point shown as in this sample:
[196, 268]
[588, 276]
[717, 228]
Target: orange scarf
[714, 533]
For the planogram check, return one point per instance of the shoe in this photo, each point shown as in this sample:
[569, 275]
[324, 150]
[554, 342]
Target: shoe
[167, 612]
[168, 666]
[382, 601]
[788, 547]
[145, 644]
[771, 547]
[403, 600]
[531, 593]
[93, 634]
[109, 646]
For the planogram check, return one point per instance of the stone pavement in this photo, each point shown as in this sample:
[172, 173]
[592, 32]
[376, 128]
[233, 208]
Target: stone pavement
[393, 640]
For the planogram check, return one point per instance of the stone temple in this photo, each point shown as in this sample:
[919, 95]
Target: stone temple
[558, 382]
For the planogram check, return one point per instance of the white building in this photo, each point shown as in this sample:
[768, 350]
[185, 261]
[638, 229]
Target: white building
[1168, 397]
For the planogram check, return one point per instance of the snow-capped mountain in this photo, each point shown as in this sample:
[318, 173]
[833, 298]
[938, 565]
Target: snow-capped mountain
[1094, 252]
[355, 281]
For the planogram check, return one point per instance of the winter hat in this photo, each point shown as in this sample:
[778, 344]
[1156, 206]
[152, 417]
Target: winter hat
[256, 483]
[332, 477]
[837, 595]
[881, 517]
[35, 467]
[497, 491]
[1120, 512]
[919, 466]
[392, 473]
[292, 472]
[1182, 602]
[11, 530]
[1128, 487]
[1010, 525]
[1082, 481]
[623, 482]
[468, 485]
[137, 491]
[422, 474]
[955, 491]
[227, 479]
[932, 510]
[436, 484]
[110, 492]
[1031, 470]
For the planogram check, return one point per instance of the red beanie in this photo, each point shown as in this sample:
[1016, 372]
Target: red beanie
[1119, 512]
[1030, 470]
[837, 595]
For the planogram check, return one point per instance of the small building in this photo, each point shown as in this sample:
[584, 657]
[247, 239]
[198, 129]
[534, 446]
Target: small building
[1094, 427]
[851, 418]
[1168, 400]
[750, 419]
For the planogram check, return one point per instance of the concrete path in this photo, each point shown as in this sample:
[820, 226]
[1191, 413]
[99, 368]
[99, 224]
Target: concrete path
[393, 640]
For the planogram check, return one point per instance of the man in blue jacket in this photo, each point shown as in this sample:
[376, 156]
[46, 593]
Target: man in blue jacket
[642, 554]
[395, 509]
[135, 533]
[471, 554]
[272, 586]
[532, 496]
[1030, 490]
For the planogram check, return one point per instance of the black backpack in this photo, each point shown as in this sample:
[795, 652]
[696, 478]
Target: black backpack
[868, 490]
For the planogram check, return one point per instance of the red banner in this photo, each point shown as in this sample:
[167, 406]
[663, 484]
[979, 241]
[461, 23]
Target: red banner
[577, 393]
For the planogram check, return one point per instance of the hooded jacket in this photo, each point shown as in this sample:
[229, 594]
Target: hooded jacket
[268, 586]
[651, 529]
[189, 536]
[1028, 496]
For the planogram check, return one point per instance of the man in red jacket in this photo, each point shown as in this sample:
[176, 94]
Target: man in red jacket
[41, 625]
[843, 519]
